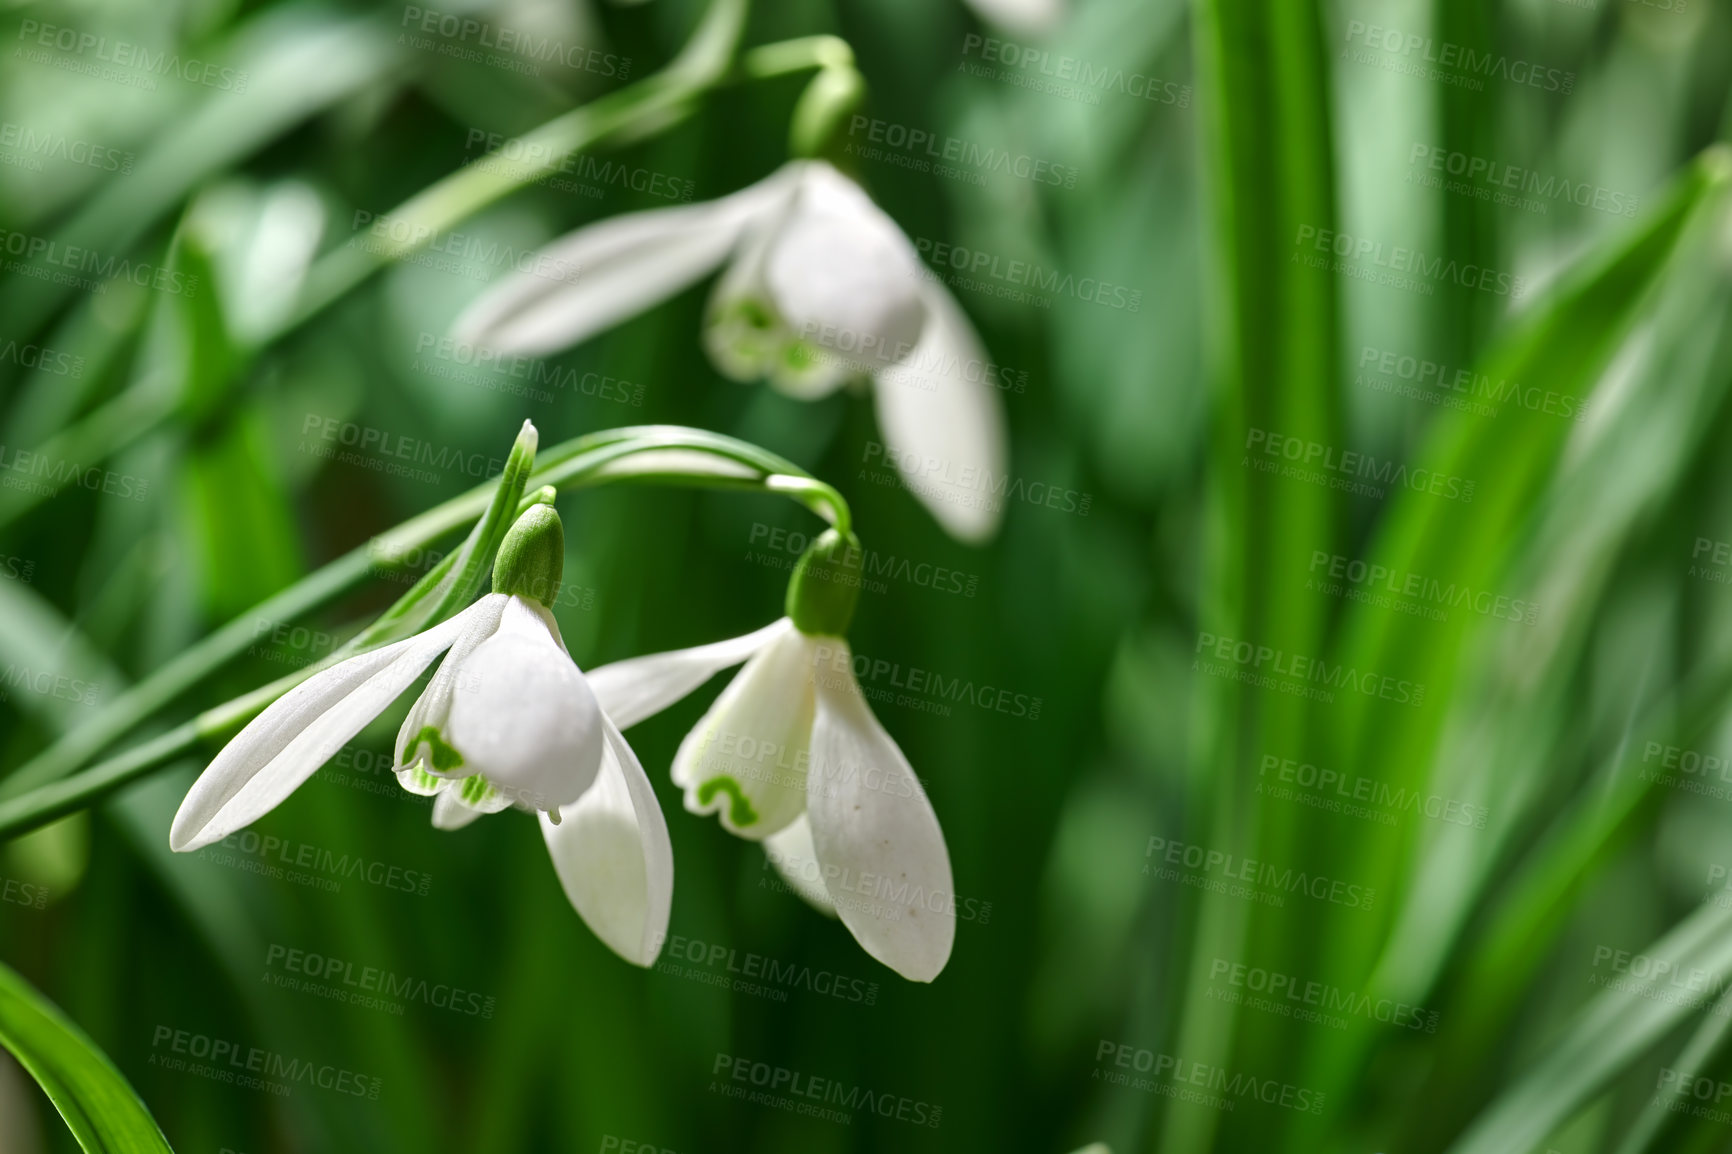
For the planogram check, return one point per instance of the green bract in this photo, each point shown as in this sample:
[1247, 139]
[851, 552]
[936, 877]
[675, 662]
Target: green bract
[826, 584]
[532, 557]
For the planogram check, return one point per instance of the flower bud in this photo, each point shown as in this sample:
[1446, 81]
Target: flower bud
[826, 584]
[531, 559]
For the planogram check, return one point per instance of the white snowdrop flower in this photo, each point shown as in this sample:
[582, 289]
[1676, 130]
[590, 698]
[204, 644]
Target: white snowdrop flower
[507, 719]
[821, 288]
[791, 755]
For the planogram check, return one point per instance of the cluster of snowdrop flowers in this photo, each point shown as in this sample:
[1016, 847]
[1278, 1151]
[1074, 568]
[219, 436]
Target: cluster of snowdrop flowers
[821, 289]
[509, 720]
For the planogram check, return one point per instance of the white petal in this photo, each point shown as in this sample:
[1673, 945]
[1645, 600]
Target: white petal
[601, 274]
[844, 277]
[522, 714]
[791, 852]
[1028, 17]
[416, 756]
[449, 812]
[640, 687]
[746, 759]
[300, 731]
[877, 839]
[943, 423]
[613, 856]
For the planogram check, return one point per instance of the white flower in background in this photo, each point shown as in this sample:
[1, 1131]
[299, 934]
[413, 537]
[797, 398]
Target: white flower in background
[507, 719]
[791, 755]
[1028, 17]
[821, 288]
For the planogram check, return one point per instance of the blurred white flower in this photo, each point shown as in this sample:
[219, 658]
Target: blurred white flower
[1028, 17]
[508, 719]
[791, 755]
[821, 288]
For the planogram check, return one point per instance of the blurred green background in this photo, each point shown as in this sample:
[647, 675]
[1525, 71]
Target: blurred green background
[1204, 151]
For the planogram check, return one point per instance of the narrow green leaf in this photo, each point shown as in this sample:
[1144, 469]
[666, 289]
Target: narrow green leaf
[101, 1109]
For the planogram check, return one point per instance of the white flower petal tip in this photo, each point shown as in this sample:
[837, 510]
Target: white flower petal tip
[449, 812]
[604, 273]
[746, 759]
[523, 716]
[791, 852]
[943, 423]
[300, 731]
[613, 856]
[873, 828]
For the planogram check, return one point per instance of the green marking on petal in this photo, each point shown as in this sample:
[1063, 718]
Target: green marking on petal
[444, 755]
[740, 811]
[475, 790]
[799, 356]
[755, 314]
[425, 781]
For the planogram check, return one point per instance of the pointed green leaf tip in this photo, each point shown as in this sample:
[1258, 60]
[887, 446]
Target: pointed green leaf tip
[532, 557]
[826, 584]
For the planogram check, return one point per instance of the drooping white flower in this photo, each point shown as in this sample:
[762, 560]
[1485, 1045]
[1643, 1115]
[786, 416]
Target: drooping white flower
[791, 755]
[821, 288]
[507, 719]
[1028, 17]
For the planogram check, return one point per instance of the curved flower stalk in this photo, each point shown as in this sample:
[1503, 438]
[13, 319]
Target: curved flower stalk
[508, 719]
[822, 288]
[791, 755]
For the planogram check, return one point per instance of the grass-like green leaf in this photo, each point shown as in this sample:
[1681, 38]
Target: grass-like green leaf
[100, 1107]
